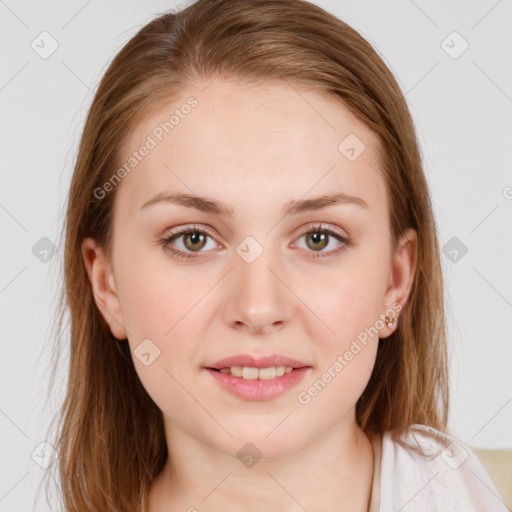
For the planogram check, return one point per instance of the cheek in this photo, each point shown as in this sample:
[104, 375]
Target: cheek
[155, 294]
[347, 301]
[346, 356]
[166, 304]
[348, 304]
[161, 309]
[339, 384]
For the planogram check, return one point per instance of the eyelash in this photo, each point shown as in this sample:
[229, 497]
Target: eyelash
[313, 228]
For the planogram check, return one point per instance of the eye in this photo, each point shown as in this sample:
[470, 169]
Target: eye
[318, 237]
[194, 239]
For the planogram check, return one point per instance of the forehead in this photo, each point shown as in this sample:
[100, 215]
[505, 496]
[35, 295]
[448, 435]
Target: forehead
[253, 146]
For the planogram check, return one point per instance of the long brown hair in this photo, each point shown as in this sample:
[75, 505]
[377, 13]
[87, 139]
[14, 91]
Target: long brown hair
[110, 435]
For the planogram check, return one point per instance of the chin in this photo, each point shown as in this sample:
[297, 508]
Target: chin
[258, 445]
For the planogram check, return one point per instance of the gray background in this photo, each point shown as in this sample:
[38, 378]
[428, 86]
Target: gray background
[462, 106]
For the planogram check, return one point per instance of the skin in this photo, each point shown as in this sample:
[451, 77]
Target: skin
[254, 149]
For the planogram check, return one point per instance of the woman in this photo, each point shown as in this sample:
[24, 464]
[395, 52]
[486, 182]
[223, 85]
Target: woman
[253, 279]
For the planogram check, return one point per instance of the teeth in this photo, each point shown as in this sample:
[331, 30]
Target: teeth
[250, 373]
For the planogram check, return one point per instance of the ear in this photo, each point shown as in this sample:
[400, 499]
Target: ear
[103, 286]
[402, 275]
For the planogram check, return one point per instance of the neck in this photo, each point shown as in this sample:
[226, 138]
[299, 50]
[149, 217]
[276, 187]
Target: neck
[333, 472]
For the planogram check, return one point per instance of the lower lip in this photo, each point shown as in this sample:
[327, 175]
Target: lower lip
[256, 389]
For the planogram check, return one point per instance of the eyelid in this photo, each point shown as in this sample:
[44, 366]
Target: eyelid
[322, 226]
[194, 227]
[189, 229]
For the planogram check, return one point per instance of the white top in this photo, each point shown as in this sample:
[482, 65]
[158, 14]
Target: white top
[450, 479]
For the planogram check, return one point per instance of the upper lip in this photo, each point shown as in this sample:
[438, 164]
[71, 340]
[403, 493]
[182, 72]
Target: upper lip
[257, 362]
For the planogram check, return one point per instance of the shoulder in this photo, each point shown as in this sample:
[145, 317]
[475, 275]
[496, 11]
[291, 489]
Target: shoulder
[436, 472]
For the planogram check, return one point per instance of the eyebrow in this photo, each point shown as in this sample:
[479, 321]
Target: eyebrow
[213, 206]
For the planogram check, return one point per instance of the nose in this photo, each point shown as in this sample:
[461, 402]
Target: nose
[258, 300]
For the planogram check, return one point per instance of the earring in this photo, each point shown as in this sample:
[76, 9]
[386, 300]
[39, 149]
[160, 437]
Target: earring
[390, 320]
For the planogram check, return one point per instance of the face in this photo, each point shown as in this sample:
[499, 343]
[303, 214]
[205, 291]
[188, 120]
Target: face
[191, 286]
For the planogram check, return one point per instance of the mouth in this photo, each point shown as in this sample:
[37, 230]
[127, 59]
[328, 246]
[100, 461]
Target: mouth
[251, 377]
[251, 383]
[251, 366]
[253, 373]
